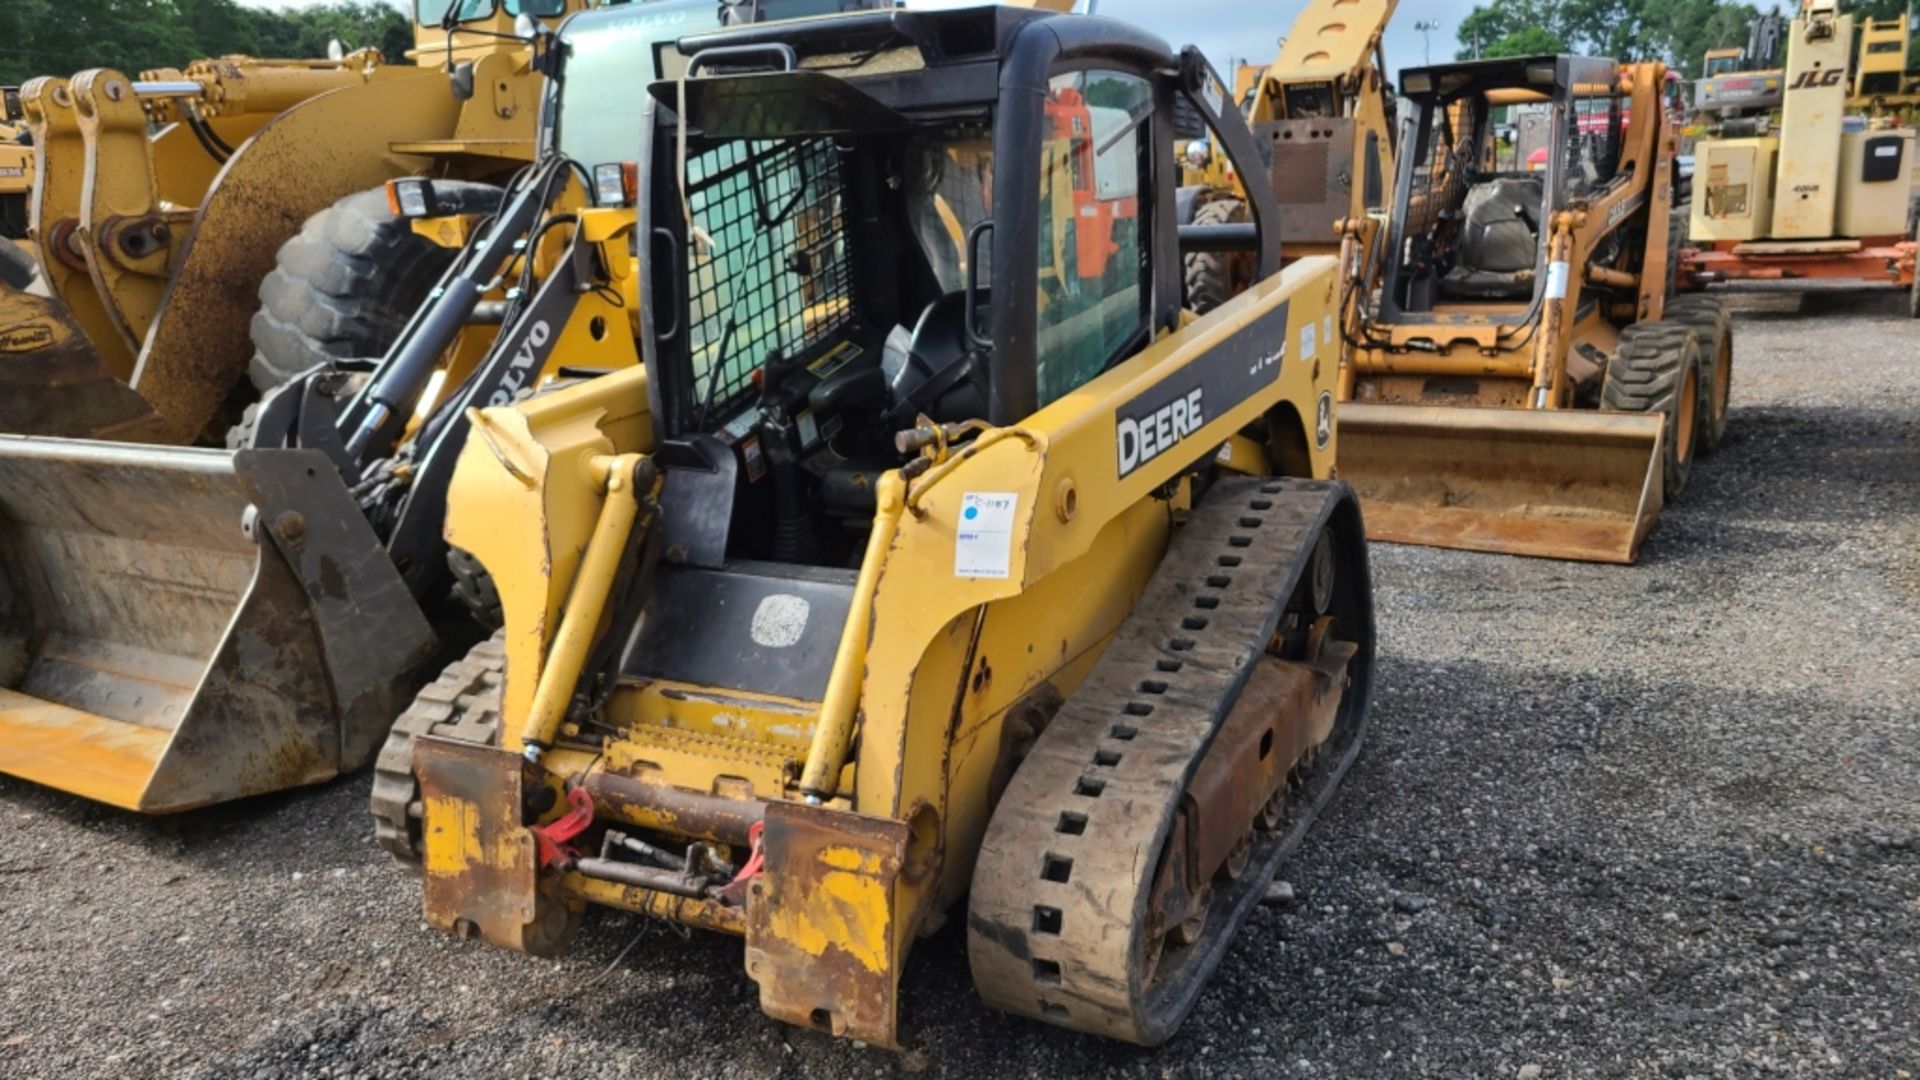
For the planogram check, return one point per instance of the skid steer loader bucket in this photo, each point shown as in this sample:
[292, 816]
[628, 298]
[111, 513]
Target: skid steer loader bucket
[52, 382]
[1556, 484]
[181, 627]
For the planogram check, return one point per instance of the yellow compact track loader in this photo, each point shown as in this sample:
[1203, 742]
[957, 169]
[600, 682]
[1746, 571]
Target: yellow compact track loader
[1323, 113]
[1514, 376]
[182, 626]
[161, 205]
[925, 556]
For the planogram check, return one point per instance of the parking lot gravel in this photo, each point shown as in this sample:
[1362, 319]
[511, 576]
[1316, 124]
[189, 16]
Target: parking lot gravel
[1660, 820]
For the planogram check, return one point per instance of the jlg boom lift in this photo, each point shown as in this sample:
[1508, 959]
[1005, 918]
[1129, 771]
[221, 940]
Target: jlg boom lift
[907, 569]
[1789, 187]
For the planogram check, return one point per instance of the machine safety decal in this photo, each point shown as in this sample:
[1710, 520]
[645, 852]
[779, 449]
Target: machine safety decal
[1165, 414]
[1323, 421]
[983, 544]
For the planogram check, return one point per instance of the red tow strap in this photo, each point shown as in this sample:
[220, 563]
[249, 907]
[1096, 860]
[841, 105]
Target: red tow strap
[554, 837]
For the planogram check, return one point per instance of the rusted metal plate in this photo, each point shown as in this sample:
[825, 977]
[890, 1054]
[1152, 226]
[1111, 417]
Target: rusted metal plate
[1312, 175]
[53, 382]
[481, 864]
[311, 156]
[822, 921]
[1555, 484]
[234, 604]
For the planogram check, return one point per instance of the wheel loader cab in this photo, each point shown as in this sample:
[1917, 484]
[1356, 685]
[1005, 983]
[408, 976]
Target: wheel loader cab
[920, 414]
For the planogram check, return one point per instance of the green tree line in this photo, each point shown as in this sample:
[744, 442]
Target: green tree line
[62, 37]
[1677, 31]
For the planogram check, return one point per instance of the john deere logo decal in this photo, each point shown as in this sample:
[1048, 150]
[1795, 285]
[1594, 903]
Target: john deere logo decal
[1323, 421]
[1162, 417]
[26, 338]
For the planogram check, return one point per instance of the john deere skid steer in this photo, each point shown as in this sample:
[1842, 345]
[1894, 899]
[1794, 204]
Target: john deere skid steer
[1515, 376]
[181, 626]
[935, 550]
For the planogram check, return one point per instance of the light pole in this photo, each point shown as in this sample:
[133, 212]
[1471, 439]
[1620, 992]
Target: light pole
[1426, 28]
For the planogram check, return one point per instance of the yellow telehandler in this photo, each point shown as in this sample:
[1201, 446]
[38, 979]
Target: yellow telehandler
[1323, 112]
[927, 555]
[1515, 376]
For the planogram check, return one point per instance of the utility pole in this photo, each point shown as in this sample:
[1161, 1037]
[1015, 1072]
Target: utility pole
[1426, 28]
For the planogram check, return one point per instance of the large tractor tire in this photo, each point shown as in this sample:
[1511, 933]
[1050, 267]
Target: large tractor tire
[464, 703]
[347, 283]
[1215, 277]
[1710, 320]
[1656, 370]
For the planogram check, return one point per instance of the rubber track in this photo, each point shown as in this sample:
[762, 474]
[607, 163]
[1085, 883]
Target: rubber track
[1056, 917]
[464, 702]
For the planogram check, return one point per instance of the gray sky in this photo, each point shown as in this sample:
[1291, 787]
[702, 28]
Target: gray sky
[1229, 30]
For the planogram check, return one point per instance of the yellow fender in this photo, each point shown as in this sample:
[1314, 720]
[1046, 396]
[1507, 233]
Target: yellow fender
[306, 159]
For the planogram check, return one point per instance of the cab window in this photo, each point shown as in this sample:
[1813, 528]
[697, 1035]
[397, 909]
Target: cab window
[1093, 262]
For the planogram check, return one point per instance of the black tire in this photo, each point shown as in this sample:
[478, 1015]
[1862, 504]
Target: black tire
[1215, 277]
[1710, 320]
[1679, 226]
[464, 702]
[17, 268]
[473, 587]
[1657, 370]
[347, 283]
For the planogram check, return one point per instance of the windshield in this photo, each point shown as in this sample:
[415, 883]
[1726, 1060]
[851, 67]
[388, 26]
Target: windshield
[950, 192]
[610, 60]
[434, 12]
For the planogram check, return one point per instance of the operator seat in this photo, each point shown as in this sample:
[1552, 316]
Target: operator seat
[1499, 241]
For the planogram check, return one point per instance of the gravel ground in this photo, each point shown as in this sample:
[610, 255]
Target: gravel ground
[1658, 820]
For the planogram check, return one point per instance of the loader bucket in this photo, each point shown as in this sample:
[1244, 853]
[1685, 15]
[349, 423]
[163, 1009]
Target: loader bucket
[52, 382]
[1560, 484]
[180, 627]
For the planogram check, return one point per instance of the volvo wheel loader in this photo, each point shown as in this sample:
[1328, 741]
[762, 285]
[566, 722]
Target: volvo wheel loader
[167, 214]
[904, 571]
[1515, 377]
[182, 626]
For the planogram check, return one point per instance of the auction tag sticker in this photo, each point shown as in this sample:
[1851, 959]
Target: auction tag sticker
[983, 544]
